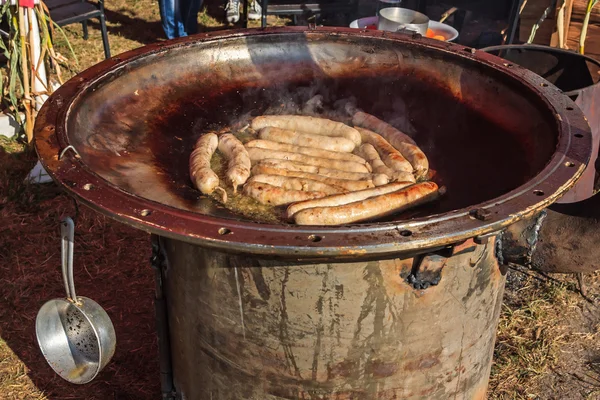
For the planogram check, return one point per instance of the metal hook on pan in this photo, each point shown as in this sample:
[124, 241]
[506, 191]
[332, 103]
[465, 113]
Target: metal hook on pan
[62, 153]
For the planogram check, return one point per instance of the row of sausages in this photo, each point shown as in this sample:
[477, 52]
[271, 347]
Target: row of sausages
[327, 172]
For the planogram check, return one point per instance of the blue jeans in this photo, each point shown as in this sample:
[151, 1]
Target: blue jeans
[179, 17]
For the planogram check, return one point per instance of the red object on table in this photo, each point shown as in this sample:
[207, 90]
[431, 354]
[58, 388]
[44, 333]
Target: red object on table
[374, 26]
[26, 3]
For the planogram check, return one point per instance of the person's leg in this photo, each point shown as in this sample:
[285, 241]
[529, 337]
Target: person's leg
[179, 18]
[167, 18]
[190, 9]
[170, 15]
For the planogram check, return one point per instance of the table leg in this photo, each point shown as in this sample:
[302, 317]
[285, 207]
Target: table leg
[265, 6]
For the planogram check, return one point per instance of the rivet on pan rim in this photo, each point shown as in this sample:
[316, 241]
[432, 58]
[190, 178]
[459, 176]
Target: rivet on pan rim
[224, 231]
[315, 238]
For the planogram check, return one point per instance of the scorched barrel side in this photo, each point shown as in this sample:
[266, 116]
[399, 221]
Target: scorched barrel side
[249, 328]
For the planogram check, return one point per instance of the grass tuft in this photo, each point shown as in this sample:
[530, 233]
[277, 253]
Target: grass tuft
[533, 328]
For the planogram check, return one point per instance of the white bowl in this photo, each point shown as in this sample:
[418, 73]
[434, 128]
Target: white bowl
[439, 28]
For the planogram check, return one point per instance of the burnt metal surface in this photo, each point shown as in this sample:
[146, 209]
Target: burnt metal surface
[502, 141]
[564, 241]
[521, 238]
[250, 328]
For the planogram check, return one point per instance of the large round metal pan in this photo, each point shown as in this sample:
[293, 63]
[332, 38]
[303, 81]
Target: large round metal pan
[504, 142]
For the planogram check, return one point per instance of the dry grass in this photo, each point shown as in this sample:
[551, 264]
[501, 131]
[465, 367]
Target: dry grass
[543, 334]
[529, 336]
[132, 24]
[15, 382]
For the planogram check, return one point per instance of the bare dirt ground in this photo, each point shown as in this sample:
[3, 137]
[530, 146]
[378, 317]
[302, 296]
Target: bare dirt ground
[548, 344]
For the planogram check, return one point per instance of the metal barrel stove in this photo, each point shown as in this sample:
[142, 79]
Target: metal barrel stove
[404, 307]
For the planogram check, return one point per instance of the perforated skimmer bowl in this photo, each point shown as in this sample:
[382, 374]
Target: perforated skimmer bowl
[75, 334]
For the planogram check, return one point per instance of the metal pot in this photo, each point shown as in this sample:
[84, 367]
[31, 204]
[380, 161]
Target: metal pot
[133, 118]
[395, 19]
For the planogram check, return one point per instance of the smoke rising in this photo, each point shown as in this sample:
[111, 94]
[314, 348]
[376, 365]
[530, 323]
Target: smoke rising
[319, 100]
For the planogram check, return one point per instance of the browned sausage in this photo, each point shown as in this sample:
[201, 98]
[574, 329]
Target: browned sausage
[309, 151]
[373, 207]
[368, 152]
[402, 142]
[390, 156]
[347, 198]
[301, 123]
[314, 169]
[291, 183]
[415, 157]
[257, 154]
[203, 177]
[340, 144]
[342, 183]
[276, 196]
[238, 166]
[378, 179]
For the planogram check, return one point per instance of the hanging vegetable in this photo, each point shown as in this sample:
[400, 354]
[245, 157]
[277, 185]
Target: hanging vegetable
[586, 22]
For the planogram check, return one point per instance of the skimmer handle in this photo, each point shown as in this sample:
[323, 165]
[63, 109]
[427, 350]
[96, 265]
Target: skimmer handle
[67, 233]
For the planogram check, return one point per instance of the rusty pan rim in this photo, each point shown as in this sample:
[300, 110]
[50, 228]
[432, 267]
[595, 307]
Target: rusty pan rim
[297, 242]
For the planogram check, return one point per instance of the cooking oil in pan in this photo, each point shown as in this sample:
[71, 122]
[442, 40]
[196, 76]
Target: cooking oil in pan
[474, 158]
[237, 202]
